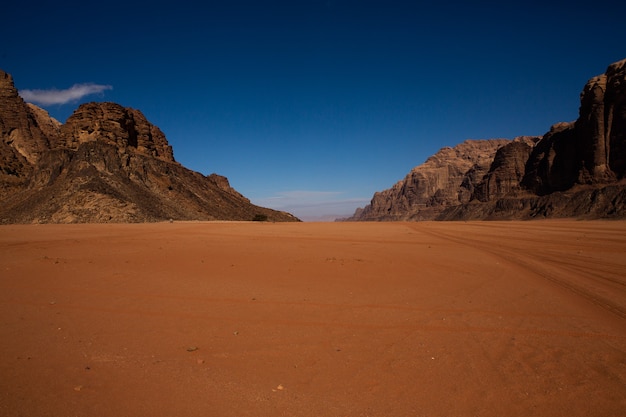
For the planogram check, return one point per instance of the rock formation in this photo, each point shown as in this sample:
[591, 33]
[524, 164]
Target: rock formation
[446, 179]
[506, 171]
[576, 169]
[593, 149]
[107, 163]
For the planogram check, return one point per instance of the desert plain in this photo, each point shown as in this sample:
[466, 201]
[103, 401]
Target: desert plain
[313, 319]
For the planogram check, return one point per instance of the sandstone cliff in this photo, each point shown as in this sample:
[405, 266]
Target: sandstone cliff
[107, 163]
[576, 169]
[446, 179]
[593, 149]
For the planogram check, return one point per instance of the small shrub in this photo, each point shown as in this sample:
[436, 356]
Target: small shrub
[260, 218]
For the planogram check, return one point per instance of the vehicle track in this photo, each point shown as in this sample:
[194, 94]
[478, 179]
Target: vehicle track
[575, 278]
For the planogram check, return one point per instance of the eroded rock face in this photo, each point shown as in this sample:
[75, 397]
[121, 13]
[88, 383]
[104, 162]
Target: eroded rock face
[49, 126]
[593, 149]
[601, 126]
[107, 163]
[24, 135]
[115, 125]
[506, 171]
[445, 179]
[616, 116]
[552, 164]
[576, 169]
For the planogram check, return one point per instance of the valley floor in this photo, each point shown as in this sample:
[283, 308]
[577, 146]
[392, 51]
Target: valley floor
[313, 319]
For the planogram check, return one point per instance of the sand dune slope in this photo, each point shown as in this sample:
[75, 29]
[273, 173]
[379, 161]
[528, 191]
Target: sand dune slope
[313, 319]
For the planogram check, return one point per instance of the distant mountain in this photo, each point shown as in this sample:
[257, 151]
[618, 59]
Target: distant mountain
[107, 163]
[577, 169]
[446, 179]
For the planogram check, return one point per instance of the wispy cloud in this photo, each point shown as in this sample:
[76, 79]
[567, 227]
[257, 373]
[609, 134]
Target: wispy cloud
[313, 205]
[54, 96]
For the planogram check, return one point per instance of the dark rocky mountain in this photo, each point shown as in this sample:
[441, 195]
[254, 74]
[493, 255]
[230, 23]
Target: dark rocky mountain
[576, 169]
[107, 163]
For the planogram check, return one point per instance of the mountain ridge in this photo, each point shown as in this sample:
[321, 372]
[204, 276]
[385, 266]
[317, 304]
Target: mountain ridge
[106, 163]
[577, 169]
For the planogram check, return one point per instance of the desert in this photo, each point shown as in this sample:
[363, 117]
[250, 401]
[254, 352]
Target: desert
[313, 319]
[379, 209]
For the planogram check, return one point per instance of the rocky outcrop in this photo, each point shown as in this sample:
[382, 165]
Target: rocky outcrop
[552, 164]
[19, 127]
[22, 139]
[576, 169]
[601, 127]
[446, 179]
[113, 124]
[593, 149]
[506, 171]
[107, 163]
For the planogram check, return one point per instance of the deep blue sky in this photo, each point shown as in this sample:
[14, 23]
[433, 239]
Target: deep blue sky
[318, 103]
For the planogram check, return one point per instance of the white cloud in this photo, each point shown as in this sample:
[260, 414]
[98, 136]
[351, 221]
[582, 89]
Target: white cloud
[54, 96]
[313, 205]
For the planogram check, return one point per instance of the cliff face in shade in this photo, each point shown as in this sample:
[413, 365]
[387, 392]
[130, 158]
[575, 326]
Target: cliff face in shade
[576, 169]
[506, 170]
[107, 163]
[593, 149]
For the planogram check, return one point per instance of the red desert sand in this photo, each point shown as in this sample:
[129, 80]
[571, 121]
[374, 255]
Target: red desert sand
[314, 319]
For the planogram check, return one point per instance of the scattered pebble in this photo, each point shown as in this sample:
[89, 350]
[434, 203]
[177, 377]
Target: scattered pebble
[235, 333]
[192, 348]
[78, 388]
[200, 361]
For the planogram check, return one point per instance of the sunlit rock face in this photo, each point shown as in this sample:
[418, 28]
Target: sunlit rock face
[446, 179]
[107, 163]
[25, 132]
[115, 125]
[577, 169]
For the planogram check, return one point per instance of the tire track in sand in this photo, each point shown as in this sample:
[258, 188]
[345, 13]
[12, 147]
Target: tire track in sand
[558, 271]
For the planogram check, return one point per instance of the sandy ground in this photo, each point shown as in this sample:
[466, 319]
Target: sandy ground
[313, 319]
